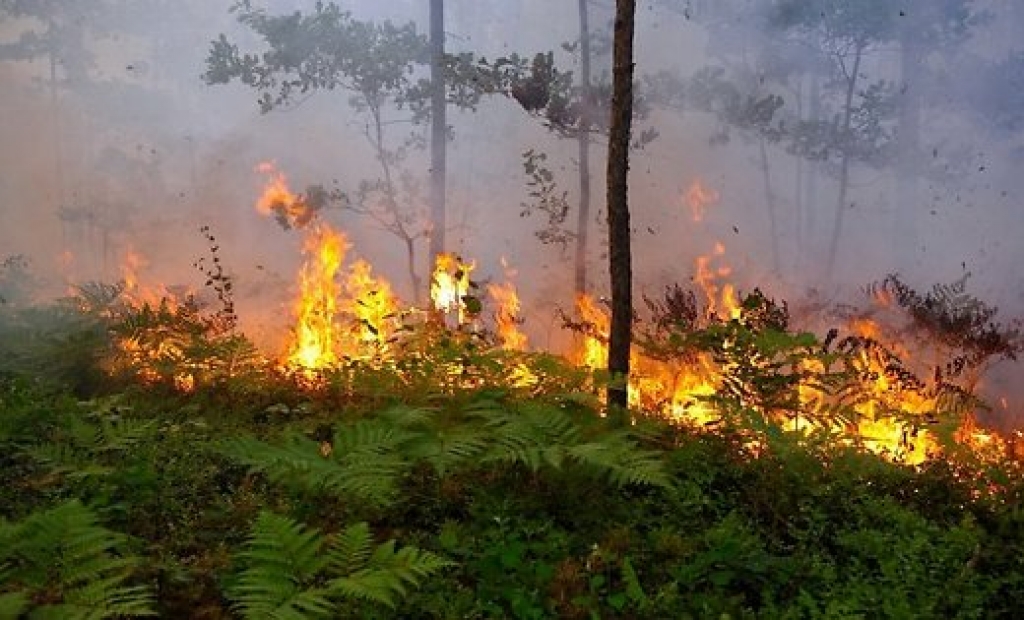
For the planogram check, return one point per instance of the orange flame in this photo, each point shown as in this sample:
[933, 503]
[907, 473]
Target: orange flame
[449, 285]
[721, 300]
[593, 350]
[506, 316]
[698, 198]
[278, 200]
[370, 302]
[313, 345]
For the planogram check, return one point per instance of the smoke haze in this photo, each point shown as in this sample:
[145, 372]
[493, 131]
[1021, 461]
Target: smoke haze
[113, 144]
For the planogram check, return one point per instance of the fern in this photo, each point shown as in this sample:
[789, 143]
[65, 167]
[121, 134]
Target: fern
[61, 556]
[283, 561]
[292, 572]
[387, 573]
[86, 448]
[364, 463]
[443, 442]
[447, 449]
[537, 435]
[618, 457]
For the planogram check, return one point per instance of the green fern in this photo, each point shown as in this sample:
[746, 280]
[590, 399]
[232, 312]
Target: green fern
[364, 463]
[63, 557]
[618, 457]
[283, 562]
[388, 574]
[537, 434]
[532, 434]
[293, 572]
[86, 448]
[445, 442]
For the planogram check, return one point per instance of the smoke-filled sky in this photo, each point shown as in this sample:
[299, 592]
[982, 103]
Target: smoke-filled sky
[113, 144]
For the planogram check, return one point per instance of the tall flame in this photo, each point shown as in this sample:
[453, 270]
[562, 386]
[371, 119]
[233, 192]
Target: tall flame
[721, 299]
[370, 302]
[506, 316]
[449, 285]
[317, 305]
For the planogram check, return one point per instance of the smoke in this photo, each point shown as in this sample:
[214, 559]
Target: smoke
[113, 143]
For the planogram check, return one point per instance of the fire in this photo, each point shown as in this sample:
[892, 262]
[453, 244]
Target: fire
[678, 389]
[313, 346]
[506, 316]
[449, 286]
[593, 351]
[279, 201]
[137, 293]
[350, 313]
[369, 301]
[698, 198]
[721, 300]
[338, 312]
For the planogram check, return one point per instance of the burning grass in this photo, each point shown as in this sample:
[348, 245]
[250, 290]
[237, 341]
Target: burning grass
[753, 463]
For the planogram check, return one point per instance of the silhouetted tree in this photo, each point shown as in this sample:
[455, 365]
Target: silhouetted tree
[619, 251]
[328, 49]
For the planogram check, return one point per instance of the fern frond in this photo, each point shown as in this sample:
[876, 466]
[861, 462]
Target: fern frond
[288, 575]
[280, 544]
[361, 467]
[533, 435]
[446, 449]
[369, 437]
[64, 551]
[282, 560]
[407, 416]
[388, 573]
[351, 549]
[619, 458]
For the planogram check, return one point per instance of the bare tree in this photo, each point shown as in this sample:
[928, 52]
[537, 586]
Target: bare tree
[438, 130]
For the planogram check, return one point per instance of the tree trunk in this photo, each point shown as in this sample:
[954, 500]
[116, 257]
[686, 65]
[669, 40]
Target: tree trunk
[619, 254]
[798, 185]
[844, 166]
[769, 201]
[583, 218]
[438, 131]
[811, 183]
[908, 138]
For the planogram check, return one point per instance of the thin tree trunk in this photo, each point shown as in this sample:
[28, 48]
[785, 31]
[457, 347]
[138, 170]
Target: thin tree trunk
[798, 185]
[619, 253]
[813, 172]
[583, 218]
[391, 199]
[844, 169]
[58, 163]
[438, 130]
[769, 201]
[908, 138]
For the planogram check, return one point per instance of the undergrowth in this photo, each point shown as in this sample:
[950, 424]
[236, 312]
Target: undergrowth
[459, 480]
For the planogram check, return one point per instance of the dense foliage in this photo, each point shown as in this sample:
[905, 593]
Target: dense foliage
[460, 480]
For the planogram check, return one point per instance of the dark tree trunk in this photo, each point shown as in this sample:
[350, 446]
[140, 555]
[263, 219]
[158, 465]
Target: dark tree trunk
[583, 219]
[438, 130]
[619, 254]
